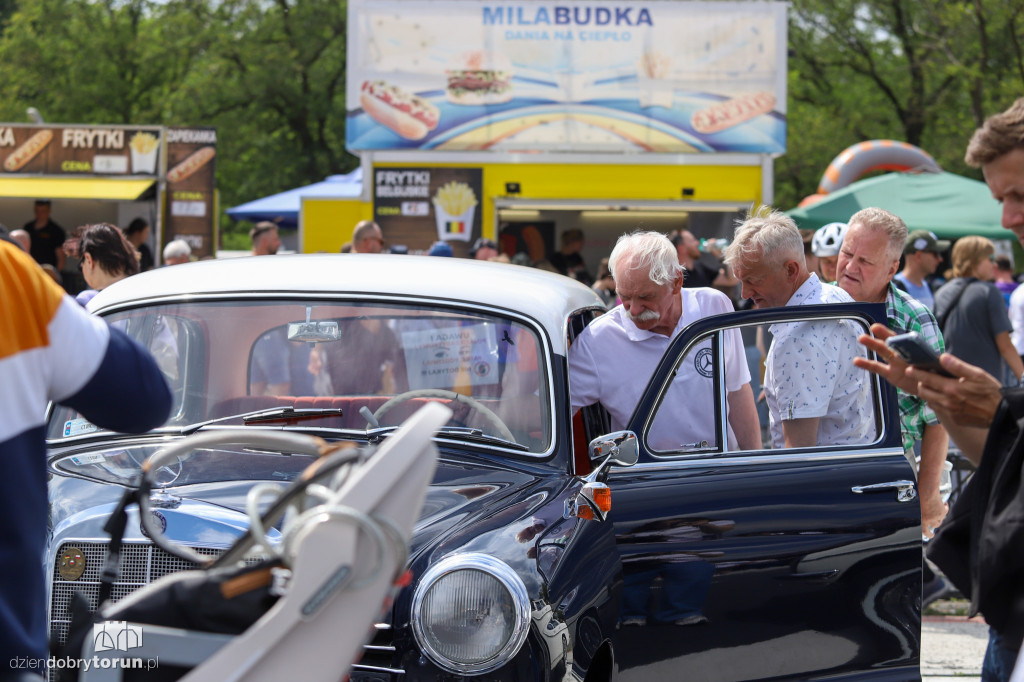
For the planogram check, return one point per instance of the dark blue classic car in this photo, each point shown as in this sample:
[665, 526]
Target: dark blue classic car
[699, 561]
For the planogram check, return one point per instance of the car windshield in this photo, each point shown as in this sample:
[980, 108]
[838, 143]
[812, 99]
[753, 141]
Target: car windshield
[353, 365]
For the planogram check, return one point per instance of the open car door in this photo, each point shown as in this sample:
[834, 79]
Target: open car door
[770, 562]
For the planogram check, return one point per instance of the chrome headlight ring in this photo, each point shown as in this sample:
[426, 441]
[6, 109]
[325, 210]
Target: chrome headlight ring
[470, 613]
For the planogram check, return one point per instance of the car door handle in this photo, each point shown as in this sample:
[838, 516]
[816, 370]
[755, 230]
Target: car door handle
[906, 491]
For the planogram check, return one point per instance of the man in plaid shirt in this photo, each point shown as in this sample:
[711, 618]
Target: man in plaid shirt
[868, 259]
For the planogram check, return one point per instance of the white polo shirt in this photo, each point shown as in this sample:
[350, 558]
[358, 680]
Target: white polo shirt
[810, 373]
[612, 362]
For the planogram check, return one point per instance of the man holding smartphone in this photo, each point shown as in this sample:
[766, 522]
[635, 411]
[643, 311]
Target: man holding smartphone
[868, 259]
[979, 547]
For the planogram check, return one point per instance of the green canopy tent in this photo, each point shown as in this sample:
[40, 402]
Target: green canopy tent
[949, 205]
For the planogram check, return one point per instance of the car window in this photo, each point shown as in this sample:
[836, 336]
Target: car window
[172, 340]
[376, 363]
[799, 376]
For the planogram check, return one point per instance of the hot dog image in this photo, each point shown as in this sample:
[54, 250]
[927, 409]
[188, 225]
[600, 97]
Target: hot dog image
[732, 112]
[191, 164]
[17, 159]
[407, 114]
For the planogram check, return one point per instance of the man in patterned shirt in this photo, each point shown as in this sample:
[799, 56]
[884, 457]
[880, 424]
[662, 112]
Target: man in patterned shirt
[815, 394]
[868, 260]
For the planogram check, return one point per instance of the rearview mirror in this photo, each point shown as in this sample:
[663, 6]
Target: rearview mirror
[312, 331]
[619, 447]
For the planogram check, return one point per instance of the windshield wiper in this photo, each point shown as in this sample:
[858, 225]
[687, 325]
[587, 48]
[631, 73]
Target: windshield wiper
[269, 414]
[459, 432]
[478, 436]
[290, 413]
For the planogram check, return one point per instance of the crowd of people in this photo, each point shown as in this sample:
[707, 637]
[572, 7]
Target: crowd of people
[815, 387]
[93, 256]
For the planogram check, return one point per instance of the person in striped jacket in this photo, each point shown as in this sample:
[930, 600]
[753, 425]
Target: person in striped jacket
[52, 349]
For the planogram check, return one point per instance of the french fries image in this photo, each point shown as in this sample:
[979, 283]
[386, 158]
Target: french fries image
[455, 198]
[143, 143]
[191, 164]
[28, 150]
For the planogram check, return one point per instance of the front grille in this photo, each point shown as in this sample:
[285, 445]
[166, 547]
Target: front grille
[141, 564]
[377, 664]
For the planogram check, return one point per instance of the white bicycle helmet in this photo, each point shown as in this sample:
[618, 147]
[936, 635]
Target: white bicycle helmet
[827, 240]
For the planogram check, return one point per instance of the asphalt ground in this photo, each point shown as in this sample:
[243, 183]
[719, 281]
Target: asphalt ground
[952, 646]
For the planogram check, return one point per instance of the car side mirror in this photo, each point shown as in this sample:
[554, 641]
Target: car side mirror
[618, 448]
[594, 499]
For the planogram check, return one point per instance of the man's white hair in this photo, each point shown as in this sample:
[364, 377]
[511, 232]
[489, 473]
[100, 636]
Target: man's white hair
[769, 236]
[648, 251]
[177, 249]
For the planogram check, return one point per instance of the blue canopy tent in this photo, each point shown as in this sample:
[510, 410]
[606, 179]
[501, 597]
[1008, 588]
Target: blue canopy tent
[283, 208]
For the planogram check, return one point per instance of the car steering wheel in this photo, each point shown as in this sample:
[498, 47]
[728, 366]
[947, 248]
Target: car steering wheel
[492, 419]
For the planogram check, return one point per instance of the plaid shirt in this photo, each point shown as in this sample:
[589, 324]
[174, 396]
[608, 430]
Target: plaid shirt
[906, 314]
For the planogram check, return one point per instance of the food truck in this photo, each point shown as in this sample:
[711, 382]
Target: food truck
[113, 174]
[520, 120]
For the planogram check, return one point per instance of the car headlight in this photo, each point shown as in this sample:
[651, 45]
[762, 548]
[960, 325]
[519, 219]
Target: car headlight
[470, 613]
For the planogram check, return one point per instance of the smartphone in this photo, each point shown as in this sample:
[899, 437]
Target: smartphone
[915, 351]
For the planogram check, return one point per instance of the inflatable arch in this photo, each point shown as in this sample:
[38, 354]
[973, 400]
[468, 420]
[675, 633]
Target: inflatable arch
[863, 157]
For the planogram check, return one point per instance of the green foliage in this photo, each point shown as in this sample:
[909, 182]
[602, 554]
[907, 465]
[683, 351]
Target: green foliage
[270, 75]
[923, 71]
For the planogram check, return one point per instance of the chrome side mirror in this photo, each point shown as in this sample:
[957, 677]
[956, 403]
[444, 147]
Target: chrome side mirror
[618, 448]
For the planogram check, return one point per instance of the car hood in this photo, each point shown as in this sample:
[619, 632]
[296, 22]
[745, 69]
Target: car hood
[462, 495]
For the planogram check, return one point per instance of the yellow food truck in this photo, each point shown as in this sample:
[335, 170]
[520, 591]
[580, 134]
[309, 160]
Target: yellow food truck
[519, 121]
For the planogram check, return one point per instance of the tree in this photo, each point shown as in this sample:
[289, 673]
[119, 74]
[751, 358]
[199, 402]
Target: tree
[921, 71]
[272, 77]
[269, 77]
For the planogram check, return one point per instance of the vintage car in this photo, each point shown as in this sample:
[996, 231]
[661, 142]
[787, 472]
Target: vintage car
[698, 561]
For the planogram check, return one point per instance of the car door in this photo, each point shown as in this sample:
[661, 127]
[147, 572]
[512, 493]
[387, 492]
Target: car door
[773, 562]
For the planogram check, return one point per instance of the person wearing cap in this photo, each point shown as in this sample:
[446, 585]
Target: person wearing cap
[922, 255]
[443, 249]
[47, 236]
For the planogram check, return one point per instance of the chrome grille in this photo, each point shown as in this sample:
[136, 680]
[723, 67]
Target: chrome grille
[378, 662]
[140, 564]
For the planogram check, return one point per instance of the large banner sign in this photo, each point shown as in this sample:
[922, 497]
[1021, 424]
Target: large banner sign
[80, 150]
[531, 76]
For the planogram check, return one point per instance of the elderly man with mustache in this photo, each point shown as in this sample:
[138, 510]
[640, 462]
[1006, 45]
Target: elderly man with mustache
[614, 358]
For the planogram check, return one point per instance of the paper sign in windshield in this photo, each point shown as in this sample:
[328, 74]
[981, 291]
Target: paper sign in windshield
[451, 357]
